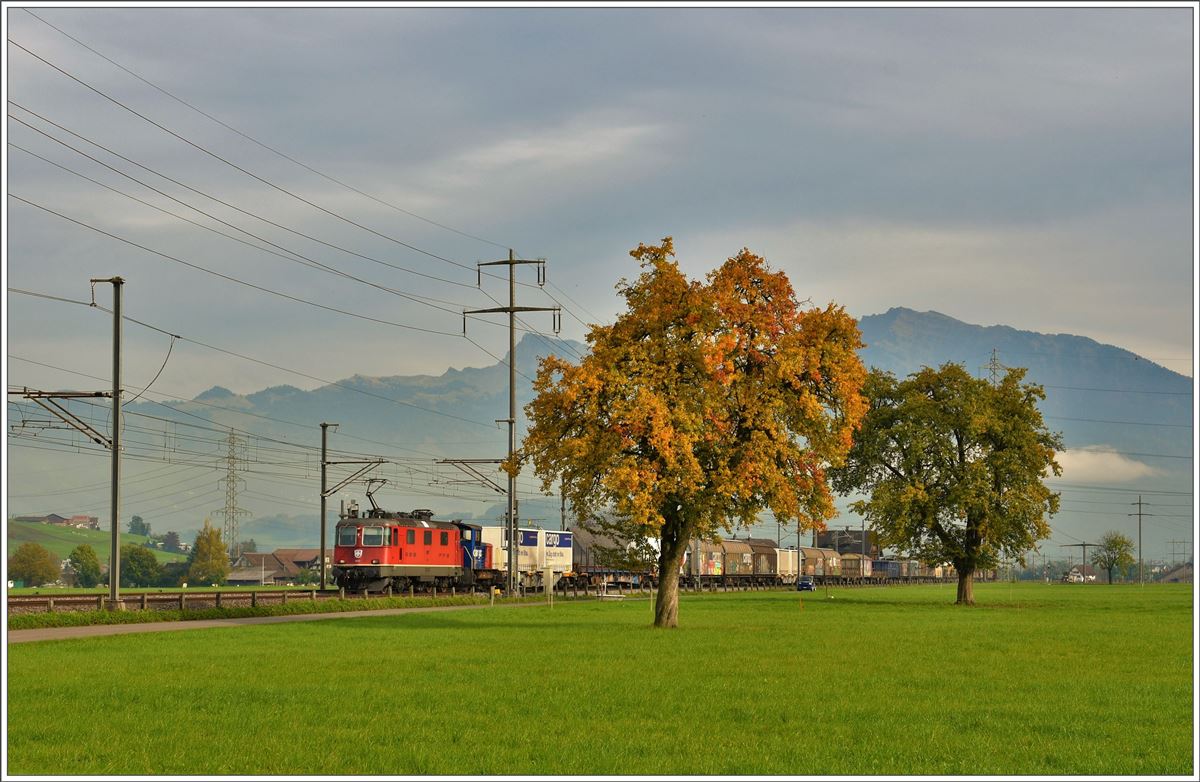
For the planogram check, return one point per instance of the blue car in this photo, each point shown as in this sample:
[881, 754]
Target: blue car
[805, 584]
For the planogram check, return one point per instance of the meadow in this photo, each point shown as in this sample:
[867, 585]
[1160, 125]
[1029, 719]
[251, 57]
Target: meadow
[61, 541]
[1035, 680]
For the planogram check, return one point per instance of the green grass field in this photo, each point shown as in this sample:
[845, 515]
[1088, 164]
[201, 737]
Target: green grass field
[1036, 680]
[62, 540]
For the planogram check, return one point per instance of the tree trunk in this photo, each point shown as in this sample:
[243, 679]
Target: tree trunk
[966, 584]
[666, 606]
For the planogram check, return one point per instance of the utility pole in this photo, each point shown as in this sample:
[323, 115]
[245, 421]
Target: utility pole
[114, 562]
[324, 442]
[1139, 514]
[512, 309]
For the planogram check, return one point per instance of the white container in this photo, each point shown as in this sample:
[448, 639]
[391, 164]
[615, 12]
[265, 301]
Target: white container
[557, 550]
[531, 549]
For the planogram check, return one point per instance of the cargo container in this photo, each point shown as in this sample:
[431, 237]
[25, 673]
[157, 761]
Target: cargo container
[820, 562]
[786, 563]
[885, 568]
[529, 554]
[739, 559]
[558, 550]
[766, 559]
[856, 566]
[706, 559]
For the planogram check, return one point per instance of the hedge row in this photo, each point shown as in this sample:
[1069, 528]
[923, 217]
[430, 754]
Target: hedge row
[80, 618]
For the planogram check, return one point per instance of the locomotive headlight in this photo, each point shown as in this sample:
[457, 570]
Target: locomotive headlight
[374, 561]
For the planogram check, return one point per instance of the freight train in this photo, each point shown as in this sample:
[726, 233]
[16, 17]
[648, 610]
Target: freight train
[377, 549]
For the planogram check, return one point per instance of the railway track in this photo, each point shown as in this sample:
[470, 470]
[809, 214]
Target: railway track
[168, 601]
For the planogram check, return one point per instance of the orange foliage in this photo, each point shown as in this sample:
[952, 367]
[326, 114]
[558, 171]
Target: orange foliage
[703, 404]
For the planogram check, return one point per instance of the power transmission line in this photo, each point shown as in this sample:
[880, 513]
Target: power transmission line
[227, 277]
[265, 146]
[235, 166]
[287, 254]
[220, 201]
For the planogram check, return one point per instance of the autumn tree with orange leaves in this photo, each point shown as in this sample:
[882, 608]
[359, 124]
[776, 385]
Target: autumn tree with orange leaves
[701, 406]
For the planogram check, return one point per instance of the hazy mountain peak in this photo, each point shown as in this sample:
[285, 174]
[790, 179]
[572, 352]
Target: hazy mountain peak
[214, 393]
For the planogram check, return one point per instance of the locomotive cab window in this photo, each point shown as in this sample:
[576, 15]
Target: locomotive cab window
[445, 538]
[372, 536]
[428, 537]
[411, 537]
[346, 536]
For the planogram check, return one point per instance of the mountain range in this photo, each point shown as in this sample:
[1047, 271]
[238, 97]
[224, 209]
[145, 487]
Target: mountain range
[1126, 423]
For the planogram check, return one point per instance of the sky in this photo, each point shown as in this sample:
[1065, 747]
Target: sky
[1032, 167]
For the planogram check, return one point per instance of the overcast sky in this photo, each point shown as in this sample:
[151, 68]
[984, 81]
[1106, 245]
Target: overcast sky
[1028, 167]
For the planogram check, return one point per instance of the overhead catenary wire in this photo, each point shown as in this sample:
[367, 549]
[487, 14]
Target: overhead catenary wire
[429, 301]
[262, 362]
[265, 146]
[294, 160]
[456, 263]
[286, 254]
[236, 167]
[224, 203]
[227, 277]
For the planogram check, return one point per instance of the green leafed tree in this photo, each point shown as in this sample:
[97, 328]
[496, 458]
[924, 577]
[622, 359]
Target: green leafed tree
[33, 564]
[86, 565]
[953, 467]
[171, 541]
[208, 562]
[1114, 554]
[704, 404]
[139, 567]
[138, 526]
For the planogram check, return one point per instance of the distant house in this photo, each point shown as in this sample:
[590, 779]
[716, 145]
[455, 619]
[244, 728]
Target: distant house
[83, 521]
[282, 566]
[1081, 574]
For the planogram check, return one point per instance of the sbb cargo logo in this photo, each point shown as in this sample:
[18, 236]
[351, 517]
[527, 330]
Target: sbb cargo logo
[558, 539]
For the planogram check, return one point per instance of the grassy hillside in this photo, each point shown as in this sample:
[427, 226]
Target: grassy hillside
[61, 540]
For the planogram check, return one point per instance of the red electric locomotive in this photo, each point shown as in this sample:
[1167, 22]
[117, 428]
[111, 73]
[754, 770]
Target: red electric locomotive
[379, 549]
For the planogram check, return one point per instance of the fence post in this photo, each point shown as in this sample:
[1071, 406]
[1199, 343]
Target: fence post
[49, 605]
[341, 593]
[182, 601]
[99, 602]
[218, 600]
[143, 601]
[283, 599]
[254, 599]
[312, 595]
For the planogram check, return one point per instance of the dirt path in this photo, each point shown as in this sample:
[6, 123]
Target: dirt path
[92, 631]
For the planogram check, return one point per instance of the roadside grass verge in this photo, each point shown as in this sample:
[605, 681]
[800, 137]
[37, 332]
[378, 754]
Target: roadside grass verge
[1037, 680]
